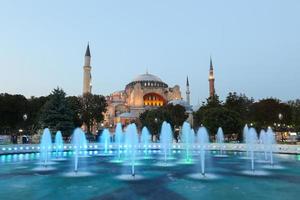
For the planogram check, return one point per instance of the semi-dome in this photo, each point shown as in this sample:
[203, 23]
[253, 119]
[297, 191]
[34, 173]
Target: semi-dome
[182, 103]
[147, 77]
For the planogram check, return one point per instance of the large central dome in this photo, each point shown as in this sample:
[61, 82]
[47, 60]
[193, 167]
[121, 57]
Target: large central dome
[147, 77]
[148, 80]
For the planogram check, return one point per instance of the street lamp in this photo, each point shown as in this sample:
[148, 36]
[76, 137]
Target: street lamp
[280, 117]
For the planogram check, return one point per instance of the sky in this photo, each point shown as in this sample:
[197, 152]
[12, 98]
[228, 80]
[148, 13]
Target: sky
[254, 44]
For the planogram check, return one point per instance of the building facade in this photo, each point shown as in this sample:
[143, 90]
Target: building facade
[146, 91]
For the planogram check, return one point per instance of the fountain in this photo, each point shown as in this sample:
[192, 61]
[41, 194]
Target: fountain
[105, 140]
[220, 140]
[78, 142]
[59, 143]
[118, 138]
[203, 140]
[46, 146]
[245, 138]
[166, 137]
[263, 140]
[131, 141]
[187, 137]
[145, 139]
[251, 143]
[270, 141]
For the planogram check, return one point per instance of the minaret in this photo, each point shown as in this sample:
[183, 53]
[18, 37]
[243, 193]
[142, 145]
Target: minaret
[87, 77]
[211, 80]
[188, 91]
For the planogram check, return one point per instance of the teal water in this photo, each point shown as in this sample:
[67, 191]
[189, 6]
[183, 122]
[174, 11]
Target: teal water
[226, 178]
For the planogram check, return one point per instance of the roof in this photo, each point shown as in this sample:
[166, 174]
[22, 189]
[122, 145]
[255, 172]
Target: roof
[182, 103]
[146, 77]
[127, 115]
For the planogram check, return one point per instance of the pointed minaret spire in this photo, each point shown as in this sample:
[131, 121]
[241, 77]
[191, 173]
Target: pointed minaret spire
[188, 91]
[211, 80]
[187, 81]
[87, 76]
[211, 65]
[88, 53]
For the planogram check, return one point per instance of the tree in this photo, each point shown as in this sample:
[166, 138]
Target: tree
[295, 109]
[211, 102]
[153, 119]
[56, 113]
[229, 120]
[75, 105]
[266, 112]
[240, 104]
[176, 113]
[12, 110]
[93, 107]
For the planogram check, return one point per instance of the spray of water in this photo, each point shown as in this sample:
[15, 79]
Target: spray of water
[166, 137]
[46, 146]
[220, 139]
[59, 143]
[203, 140]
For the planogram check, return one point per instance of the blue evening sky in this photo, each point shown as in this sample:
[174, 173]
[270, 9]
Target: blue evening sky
[255, 45]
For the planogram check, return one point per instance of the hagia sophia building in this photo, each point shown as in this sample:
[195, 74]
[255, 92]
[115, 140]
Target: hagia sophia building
[145, 91]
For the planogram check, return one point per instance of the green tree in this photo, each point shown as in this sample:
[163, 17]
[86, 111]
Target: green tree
[33, 112]
[295, 107]
[266, 112]
[153, 119]
[75, 104]
[176, 114]
[211, 102]
[12, 110]
[93, 107]
[229, 120]
[56, 113]
[240, 104]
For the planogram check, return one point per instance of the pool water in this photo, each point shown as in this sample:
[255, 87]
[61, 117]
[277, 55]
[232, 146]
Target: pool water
[22, 176]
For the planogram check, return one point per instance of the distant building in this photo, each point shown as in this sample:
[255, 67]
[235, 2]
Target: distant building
[146, 91]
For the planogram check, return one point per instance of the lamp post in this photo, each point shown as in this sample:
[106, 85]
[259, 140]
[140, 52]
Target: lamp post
[280, 117]
[156, 127]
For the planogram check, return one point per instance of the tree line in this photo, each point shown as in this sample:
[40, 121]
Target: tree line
[231, 114]
[55, 111]
[60, 112]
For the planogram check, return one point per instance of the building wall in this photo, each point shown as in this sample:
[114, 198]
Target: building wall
[132, 99]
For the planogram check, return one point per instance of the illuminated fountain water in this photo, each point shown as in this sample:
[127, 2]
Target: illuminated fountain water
[145, 137]
[118, 139]
[166, 137]
[251, 143]
[59, 143]
[131, 140]
[78, 142]
[203, 140]
[105, 140]
[270, 141]
[263, 140]
[220, 140]
[46, 147]
[188, 139]
[245, 138]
